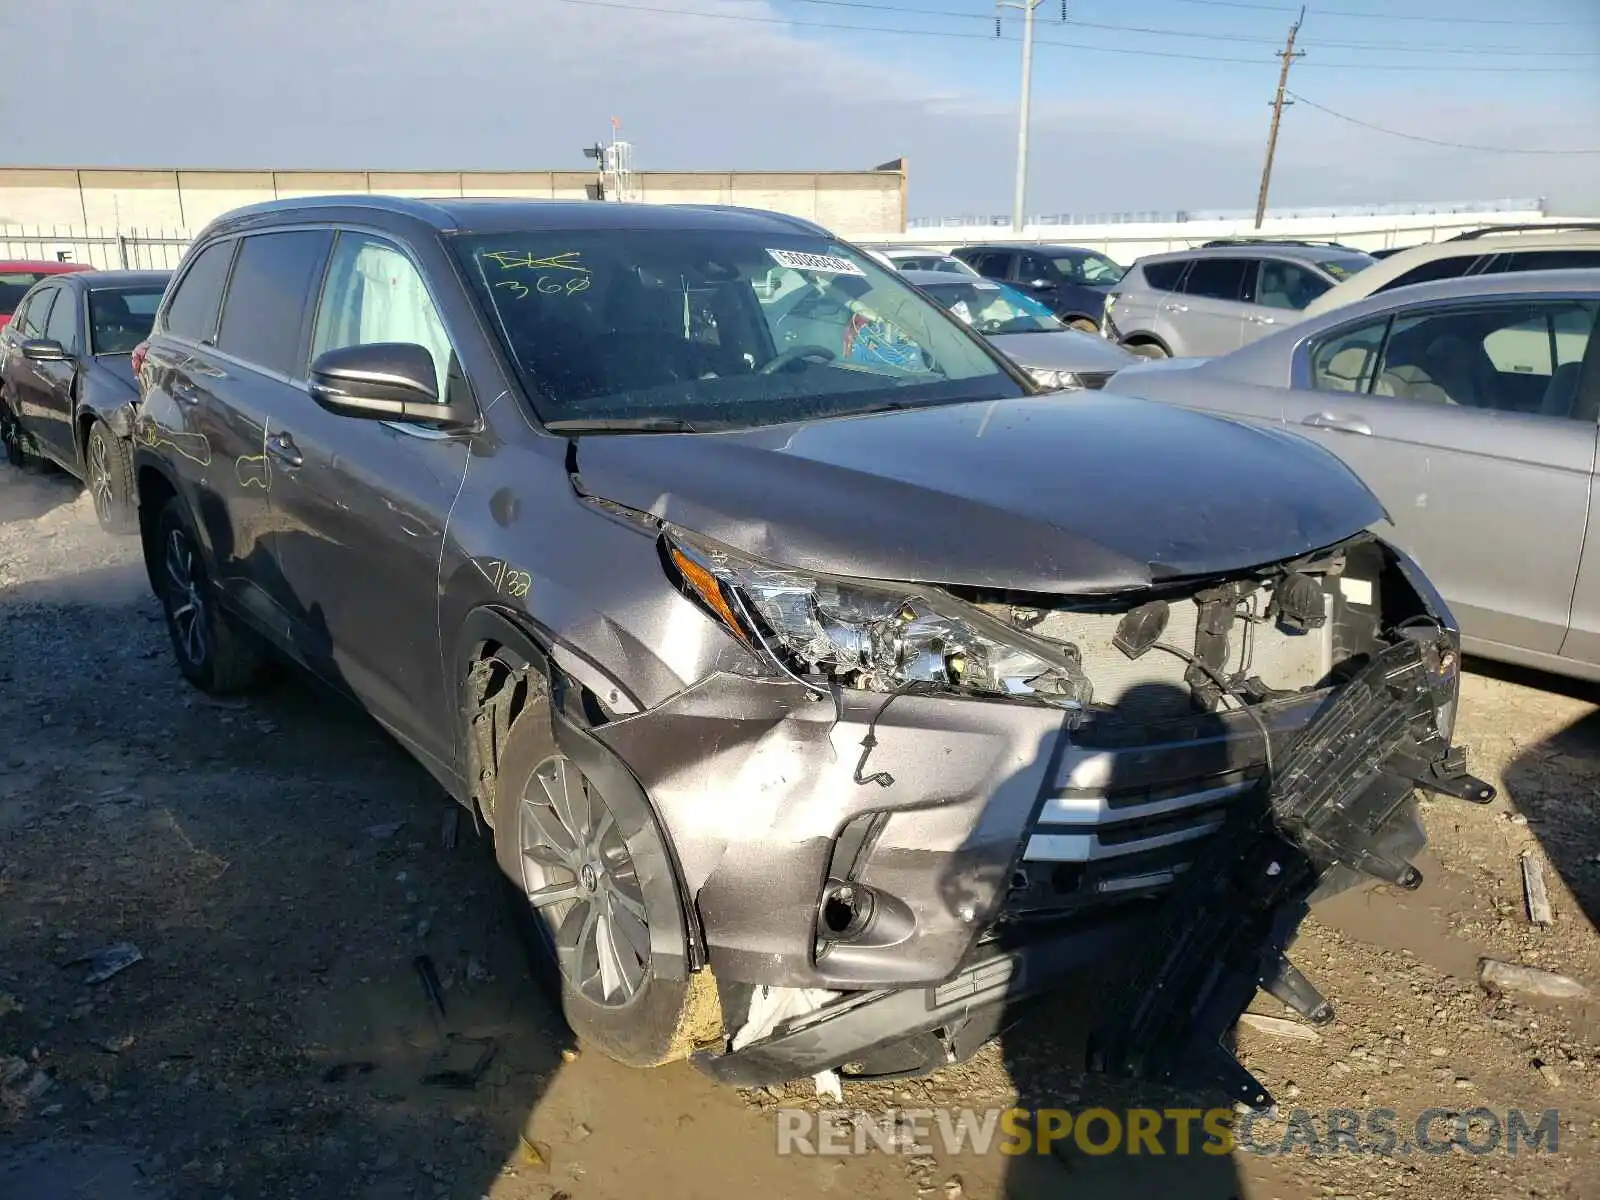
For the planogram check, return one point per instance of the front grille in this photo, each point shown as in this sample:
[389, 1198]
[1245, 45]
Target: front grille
[1125, 815]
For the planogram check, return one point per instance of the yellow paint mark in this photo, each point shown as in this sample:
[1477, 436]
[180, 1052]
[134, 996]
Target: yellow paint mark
[192, 446]
[510, 260]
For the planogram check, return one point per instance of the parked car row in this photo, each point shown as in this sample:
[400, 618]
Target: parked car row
[827, 684]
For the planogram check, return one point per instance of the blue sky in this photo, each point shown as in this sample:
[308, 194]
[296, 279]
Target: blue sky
[1124, 120]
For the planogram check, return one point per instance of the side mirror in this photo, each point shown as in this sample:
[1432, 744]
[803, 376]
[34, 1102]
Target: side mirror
[44, 350]
[1041, 285]
[384, 381]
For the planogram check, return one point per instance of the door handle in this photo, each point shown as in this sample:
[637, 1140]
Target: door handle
[1324, 420]
[281, 446]
[185, 393]
[1174, 308]
[1259, 320]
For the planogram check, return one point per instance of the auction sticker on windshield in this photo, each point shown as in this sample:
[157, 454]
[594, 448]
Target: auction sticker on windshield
[826, 264]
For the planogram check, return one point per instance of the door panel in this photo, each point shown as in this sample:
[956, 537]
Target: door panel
[1208, 317]
[1490, 497]
[54, 427]
[363, 518]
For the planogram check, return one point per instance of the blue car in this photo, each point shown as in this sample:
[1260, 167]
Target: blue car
[1070, 280]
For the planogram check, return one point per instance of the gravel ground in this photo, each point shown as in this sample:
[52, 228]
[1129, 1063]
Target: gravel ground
[279, 865]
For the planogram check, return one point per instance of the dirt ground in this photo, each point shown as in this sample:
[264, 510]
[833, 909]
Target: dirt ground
[279, 865]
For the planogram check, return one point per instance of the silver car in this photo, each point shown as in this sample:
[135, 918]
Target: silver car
[1469, 406]
[1025, 331]
[1221, 296]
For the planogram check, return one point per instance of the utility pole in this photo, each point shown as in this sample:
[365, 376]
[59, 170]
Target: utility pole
[1019, 199]
[1288, 56]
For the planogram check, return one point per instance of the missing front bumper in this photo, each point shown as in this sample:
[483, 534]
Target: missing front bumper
[1218, 936]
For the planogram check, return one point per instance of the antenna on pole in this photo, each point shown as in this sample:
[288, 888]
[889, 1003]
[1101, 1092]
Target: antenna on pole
[1287, 55]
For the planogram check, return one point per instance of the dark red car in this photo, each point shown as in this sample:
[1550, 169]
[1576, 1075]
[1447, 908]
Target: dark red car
[18, 275]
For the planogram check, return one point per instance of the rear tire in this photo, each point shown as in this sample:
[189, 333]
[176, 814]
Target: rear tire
[108, 474]
[1146, 350]
[574, 890]
[211, 653]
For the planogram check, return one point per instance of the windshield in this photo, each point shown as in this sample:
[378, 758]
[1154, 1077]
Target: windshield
[120, 318]
[1346, 265]
[14, 286]
[660, 329]
[1089, 267]
[994, 308]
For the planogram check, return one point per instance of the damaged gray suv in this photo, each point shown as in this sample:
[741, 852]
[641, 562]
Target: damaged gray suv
[827, 688]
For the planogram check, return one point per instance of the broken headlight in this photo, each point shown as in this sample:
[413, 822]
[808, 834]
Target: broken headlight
[878, 637]
[1441, 658]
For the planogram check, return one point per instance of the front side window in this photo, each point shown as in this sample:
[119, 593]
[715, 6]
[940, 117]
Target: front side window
[1217, 278]
[994, 308]
[1522, 356]
[62, 326]
[193, 310]
[1348, 361]
[1093, 269]
[374, 293]
[269, 293]
[1288, 285]
[120, 318]
[717, 330]
[993, 264]
[1035, 268]
[38, 314]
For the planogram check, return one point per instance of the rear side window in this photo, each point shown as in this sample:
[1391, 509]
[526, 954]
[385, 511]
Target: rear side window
[1440, 268]
[269, 296]
[1217, 278]
[992, 264]
[193, 311]
[1164, 276]
[1546, 260]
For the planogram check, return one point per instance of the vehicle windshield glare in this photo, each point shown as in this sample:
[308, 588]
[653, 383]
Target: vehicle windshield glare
[1089, 268]
[654, 330]
[14, 286]
[120, 318]
[994, 308]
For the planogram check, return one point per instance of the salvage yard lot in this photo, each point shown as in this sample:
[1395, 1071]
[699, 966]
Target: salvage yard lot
[280, 865]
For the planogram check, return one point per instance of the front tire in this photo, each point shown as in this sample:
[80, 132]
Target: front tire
[211, 653]
[576, 895]
[1147, 350]
[1083, 325]
[108, 474]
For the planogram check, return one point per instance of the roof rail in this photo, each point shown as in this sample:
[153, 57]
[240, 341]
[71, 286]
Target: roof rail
[1544, 227]
[1274, 241]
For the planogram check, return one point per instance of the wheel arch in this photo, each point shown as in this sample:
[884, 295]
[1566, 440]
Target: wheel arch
[153, 489]
[504, 661]
[1146, 339]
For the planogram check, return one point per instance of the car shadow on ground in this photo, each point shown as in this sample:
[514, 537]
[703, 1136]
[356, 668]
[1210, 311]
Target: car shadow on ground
[1553, 784]
[27, 495]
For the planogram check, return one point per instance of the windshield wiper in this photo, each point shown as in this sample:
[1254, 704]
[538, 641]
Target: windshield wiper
[651, 424]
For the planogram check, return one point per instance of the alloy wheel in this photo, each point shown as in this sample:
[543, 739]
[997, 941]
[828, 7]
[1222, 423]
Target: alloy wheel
[186, 597]
[100, 487]
[579, 877]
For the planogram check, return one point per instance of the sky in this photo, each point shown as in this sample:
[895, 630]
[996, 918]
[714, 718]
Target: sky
[1166, 111]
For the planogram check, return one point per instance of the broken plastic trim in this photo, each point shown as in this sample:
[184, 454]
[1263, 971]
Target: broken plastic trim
[1222, 930]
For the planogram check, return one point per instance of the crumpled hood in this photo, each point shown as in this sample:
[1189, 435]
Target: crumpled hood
[1066, 350]
[1063, 493]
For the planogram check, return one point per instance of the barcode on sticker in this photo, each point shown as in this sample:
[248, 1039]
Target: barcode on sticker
[827, 264]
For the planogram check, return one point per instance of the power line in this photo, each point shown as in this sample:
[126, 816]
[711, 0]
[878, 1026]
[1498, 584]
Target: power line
[960, 35]
[1375, 15]
[1198, 35]
[1414, 137]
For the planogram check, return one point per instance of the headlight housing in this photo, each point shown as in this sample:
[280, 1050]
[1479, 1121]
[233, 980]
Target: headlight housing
[878, 637]
[1055, 380]
[1441, 658]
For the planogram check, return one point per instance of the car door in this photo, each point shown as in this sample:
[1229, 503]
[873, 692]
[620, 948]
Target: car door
[1035, 275]
[1277, 292]
[364, 509]
[58, 380]
[1464, 418]
[1208, 317]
